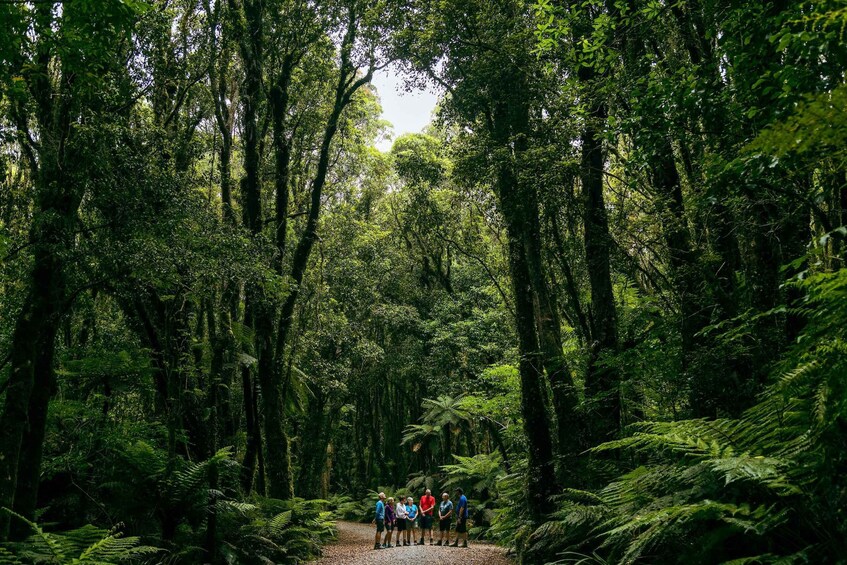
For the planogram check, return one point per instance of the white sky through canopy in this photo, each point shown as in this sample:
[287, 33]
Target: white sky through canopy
[408, 112]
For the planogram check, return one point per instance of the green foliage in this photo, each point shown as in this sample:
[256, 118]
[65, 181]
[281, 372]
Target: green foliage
[175, 491]
[441, 413]
[759, 488]
[344, 507]
[478, 474]
[190, 192]
[87, 545]
[804, 130]
[275, 531]
[481, 477]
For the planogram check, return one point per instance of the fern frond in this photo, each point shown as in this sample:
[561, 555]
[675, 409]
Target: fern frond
[114, 549]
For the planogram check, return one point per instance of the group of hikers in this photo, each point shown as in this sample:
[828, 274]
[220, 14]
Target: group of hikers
[406, 519]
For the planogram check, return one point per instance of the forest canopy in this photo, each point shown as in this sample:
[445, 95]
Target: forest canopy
[603, 292]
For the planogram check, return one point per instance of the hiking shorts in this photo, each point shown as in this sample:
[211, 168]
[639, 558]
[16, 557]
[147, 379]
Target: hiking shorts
[426, 522]
[444, 525]
[380, 526]
[462, 526]
[389, 526]
[410, 523]
[401, 525]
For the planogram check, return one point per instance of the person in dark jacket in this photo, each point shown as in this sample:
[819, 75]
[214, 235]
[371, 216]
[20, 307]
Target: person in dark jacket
[390, 522]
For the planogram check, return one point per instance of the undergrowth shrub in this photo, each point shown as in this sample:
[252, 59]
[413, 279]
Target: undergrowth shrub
[346, 507]
[481, 477]
[767, 487]
[169, 504]
[86, 545]
[274, 531]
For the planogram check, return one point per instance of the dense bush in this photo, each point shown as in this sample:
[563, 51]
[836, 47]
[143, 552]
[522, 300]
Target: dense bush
[768, 487]
[275, 531]
[84, 546]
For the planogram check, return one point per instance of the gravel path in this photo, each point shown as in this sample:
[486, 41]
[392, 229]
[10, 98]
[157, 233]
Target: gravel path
[355, 547]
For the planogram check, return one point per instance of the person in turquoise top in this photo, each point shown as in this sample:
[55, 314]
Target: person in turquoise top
[411, 518]
[379, 520]
[461, 519]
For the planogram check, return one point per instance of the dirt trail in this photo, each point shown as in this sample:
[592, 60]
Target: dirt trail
[355, 547]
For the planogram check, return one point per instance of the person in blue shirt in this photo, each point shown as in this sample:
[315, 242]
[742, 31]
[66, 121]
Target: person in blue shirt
[379, 520]
[461, 519]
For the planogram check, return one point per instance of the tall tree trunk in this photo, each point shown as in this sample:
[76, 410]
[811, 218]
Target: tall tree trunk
[15, 425]
[262, 309]
[215, 372]
[570, 282]
[33, 339]
[665, 179]
[29, 465]
[513, 205]
[565, 398]
[254, 438]
[32, 376]
[345, 89]
[225, 346]
[601, 382]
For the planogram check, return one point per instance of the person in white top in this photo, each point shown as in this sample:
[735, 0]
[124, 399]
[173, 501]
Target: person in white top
[400, 514]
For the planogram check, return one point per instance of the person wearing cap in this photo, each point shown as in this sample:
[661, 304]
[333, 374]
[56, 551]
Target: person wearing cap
[379, 520]
[445, 517]
[427, 506]
[411, 521]
[461, 519]
[390, 522]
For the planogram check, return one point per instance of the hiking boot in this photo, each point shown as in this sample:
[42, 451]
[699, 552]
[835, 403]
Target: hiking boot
[421, 542]
[465, 545]
[377, 546]
[438, 542]
[456, 544]
[430, 542]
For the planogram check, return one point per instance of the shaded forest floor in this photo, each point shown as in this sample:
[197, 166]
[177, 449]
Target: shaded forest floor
[355, 547]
